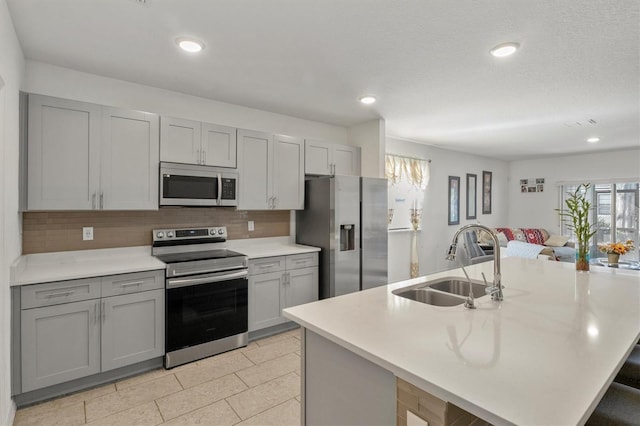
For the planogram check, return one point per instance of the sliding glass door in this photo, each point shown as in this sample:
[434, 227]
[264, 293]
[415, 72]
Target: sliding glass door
[615, 215]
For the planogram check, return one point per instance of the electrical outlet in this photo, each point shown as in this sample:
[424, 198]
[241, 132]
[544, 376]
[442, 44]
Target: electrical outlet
[250, 226]
[87, 233]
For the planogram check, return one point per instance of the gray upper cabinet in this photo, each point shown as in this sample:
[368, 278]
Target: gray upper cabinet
[255, 160]
[83, 156]
[129, 169]
[324, 158]
[193, 142]
[271, 171]
[288, 173]
[63, 154]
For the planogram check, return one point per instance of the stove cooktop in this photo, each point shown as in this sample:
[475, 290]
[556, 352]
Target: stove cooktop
[198, 255]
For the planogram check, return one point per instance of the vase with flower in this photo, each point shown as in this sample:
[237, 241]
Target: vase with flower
[615, 250]
[576, 215]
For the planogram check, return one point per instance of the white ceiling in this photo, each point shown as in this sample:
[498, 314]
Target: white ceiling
[427, 62]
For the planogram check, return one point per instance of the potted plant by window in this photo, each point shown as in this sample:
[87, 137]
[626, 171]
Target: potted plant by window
[614, 250]
[576, 215]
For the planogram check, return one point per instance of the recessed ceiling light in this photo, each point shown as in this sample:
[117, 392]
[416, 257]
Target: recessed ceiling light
[593, 140]
[368, 100]
[504, 49]
[190, 45]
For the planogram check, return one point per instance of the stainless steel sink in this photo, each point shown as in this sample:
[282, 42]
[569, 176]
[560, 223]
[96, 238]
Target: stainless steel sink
[430, 297]
[448, 291]
[458, 286]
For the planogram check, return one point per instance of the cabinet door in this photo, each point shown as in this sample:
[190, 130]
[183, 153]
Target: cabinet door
[346, 160]
[59, 343]
[301, 287]
[219, 145]
[63, 151]
[264, 300]
[288, 173]
[180, 140]
[255, 163]
[129, 161]
[317, 158]
[132, 328]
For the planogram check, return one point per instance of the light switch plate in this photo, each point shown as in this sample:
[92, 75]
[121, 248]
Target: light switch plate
[87, 233]
[250, 225]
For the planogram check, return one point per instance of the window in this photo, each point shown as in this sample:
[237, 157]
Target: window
[616, 214]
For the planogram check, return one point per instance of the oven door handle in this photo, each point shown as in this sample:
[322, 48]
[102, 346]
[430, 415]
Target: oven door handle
[184, 282]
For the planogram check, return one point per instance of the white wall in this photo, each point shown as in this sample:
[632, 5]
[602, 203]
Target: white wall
[51, 80]
[11, 72]
[370, 137]
[435, 237]
[536, 209]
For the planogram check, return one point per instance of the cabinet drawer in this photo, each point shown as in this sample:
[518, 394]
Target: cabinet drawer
[115, 285]
[59, 292]
[266, 264]
[302, 260]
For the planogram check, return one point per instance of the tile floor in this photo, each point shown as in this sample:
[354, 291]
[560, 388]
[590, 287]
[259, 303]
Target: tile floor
[256, 385]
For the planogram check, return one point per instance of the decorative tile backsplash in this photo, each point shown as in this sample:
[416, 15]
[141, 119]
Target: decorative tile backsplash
[45, 232]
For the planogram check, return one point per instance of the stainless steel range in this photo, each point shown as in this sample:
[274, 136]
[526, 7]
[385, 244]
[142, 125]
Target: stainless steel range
[206, 293]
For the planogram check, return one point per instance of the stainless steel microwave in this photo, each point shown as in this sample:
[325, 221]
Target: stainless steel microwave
[201, 186]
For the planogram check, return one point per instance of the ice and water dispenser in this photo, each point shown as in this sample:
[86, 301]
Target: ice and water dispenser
[347, 237]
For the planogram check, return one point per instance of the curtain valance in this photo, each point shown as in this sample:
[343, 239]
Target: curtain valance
[412, 170]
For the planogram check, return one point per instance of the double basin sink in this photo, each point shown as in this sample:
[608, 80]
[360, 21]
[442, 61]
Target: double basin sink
[448, 291]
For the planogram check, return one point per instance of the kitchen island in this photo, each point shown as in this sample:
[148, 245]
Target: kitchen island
[544, 355]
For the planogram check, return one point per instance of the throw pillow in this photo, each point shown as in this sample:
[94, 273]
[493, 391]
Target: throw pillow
[507, 233]
[534, 235]
[556, 241]
[502, 239]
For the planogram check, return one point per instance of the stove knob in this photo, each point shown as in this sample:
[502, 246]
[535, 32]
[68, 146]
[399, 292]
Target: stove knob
[160, 234]
[220, 231]
[213, 231]
[170, 234]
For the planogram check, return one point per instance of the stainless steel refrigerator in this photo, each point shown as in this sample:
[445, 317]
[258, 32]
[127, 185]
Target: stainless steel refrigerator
[346, 216]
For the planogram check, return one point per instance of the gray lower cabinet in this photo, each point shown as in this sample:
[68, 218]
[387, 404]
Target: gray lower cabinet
[132, 328]
[120, 322]
[279, 282]
[60, 343]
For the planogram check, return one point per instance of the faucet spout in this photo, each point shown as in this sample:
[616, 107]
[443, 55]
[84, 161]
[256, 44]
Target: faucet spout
[496, 289]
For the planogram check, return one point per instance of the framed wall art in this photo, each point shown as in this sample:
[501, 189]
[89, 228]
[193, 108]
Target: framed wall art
[454, 200]
[472, 181]
[486, 192]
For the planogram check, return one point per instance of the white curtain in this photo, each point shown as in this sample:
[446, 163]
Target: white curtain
[412, 170]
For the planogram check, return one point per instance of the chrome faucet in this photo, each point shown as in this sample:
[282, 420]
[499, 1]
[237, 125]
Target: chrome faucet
[496, 290]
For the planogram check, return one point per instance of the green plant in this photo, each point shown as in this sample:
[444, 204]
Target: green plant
[576, 216]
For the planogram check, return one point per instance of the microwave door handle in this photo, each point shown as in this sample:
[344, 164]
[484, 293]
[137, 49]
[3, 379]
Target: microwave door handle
[219, 189]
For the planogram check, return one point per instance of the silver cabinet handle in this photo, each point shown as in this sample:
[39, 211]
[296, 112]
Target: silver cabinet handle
[101, 200]
[199, 155]
[275, 201]
[93, 201]
[103, 311]
[267, 265]
[205, 157]
[96, 308]
[62, 293]
[131, 283]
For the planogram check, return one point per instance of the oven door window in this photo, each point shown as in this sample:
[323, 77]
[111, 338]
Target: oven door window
[205, 312]
[189, 187]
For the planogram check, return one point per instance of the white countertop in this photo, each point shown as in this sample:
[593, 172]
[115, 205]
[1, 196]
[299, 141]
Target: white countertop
[543, 356]
[59, 266]
[68, 265]
[266, 247]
